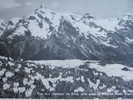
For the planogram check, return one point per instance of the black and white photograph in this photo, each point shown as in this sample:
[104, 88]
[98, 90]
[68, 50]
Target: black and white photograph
[66, 49]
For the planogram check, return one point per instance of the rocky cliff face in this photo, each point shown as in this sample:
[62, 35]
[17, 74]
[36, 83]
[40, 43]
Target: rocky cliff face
[49, 35]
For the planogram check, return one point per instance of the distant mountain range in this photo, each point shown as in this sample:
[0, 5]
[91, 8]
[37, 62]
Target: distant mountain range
[46, 34]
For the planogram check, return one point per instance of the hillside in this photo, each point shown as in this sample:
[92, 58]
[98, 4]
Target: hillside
[64, 79]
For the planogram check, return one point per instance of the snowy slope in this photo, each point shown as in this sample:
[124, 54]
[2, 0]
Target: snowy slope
[60, 63]
[2, 26]
[109, 24]
[115, 70]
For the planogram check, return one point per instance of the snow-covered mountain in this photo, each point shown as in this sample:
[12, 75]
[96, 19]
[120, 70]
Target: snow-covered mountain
[52, 42]
[46, 34]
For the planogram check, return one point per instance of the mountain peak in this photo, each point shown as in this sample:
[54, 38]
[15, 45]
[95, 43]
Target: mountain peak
[87, 16]
[128, 16]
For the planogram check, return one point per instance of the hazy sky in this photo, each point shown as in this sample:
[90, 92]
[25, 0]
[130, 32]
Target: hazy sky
[98, 8]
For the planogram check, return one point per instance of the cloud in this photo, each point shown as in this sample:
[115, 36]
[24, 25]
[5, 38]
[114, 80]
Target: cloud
[8, 4]
[55, 4]
[28, 3]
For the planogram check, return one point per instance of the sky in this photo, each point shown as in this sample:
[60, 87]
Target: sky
[98, 8]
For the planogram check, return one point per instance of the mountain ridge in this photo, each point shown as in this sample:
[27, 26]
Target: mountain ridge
[68, 36]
